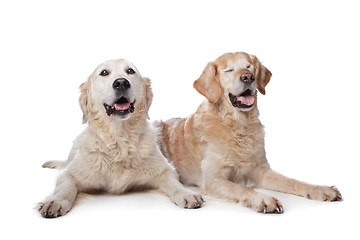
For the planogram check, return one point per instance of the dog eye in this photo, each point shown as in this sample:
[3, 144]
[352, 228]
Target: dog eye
[104, 73]
[130, 71]
[229, 70]
[248, 66]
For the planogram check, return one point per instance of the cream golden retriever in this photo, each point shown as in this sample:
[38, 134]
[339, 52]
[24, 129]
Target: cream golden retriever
[118, 150]
[221, 146]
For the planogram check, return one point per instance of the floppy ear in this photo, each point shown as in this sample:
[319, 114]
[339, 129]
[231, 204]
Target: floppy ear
[84, 87]
[148, 95]
[262, 74]
[208, 85]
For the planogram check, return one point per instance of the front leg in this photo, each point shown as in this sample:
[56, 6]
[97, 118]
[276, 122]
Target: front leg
[223, 188]
[168, 183]
[216, 183]
[61, 201]
[271, 180]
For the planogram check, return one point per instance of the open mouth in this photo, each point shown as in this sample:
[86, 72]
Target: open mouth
[245, 100]
[120, 107]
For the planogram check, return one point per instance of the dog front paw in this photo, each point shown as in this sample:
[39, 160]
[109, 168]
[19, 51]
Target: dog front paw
[54, 208]
[188, 200]
[324, 193]
[264, 204]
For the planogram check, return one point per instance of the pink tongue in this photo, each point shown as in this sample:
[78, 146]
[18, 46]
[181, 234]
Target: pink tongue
[247, 100]
[121, 106]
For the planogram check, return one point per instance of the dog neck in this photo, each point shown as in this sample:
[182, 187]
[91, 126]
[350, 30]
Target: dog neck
[114, 132]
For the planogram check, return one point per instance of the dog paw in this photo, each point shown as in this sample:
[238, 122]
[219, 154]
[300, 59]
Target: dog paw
[324, 193]
[265, 204]
[54, 208]
[188, 200]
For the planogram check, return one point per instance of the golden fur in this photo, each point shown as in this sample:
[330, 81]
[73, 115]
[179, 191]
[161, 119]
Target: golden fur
[220, 146]
[115, 153]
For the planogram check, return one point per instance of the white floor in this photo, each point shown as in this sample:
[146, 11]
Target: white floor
[153, 215]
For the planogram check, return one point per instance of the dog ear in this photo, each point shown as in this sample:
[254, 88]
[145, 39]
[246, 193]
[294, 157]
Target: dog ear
[208, 85]
[262, 74]
[84, 87]
[148, 95]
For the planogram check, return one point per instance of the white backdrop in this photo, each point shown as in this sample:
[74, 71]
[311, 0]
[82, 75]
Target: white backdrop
[311, 109]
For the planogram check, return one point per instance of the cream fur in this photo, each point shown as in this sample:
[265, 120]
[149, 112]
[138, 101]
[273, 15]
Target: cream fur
[114, 154]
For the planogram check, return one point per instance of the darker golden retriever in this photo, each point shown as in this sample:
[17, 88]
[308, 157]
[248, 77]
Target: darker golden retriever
[221, 146]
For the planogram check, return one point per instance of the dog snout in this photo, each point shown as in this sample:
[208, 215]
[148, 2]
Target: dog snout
[247, 77]
[121, 84]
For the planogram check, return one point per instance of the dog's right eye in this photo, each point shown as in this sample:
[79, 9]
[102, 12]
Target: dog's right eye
[104, 73]
[229, 70]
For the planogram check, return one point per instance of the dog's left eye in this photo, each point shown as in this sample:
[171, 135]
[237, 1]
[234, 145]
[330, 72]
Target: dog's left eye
[104, 73]
[229, 70]
[130, 71]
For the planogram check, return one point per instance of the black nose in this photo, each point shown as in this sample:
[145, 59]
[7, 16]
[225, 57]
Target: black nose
[247, 77]
[121, 84]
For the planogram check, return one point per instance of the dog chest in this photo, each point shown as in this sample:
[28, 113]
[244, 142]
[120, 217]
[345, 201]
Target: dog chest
[246, 147]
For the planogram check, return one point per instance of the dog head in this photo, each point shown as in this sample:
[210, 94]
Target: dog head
[115, 89]
[234, 77]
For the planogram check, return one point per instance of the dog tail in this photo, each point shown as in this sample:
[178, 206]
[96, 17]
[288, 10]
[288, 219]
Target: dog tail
[54, 164]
